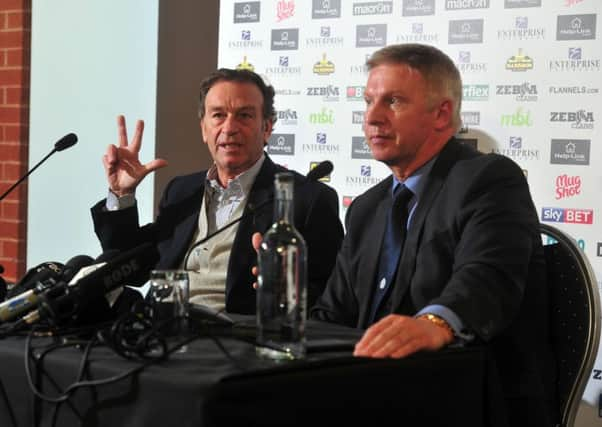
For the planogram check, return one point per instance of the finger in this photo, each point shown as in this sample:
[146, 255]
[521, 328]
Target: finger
[137, 139]
[255, 271]
[122, 132]
[255, 285]
[153, 165]
[374, 331]
[256, 240]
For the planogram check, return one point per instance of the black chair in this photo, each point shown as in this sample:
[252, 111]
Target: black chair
[575, 318]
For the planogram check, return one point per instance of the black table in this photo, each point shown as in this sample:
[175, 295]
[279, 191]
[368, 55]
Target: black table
[220, 382]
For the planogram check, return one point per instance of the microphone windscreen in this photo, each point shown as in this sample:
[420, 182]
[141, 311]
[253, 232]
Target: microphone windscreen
[320, 170]
[107, 255]
[41, 273]
[65, 142]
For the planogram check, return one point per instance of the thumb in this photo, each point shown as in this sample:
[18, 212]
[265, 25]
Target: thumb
[153, 165]
[256, 240]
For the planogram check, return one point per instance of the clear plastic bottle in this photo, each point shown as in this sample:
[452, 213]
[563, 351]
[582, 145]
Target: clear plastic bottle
[282, 281]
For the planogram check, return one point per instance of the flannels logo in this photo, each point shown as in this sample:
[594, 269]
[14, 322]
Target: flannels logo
[328, 93]
[568, 215]
[418, 7]
[525, 92]
[570, 152]
[519, 62]
[576, 27]
[418, 35]
[326, 39]
[245, 41]
[359, 148]
[514, 4]
[287, 117]
[567, 186]
[465, 64]
[282, 144]
[285, 39]
[465, 31]
[373, 8]
[581, 119]
[323, 9]
[516, 151]
[246, 12]
[371, 35]
[573, 90]
[466, 4]
[284, 10]
[521, 31]
[574, 62]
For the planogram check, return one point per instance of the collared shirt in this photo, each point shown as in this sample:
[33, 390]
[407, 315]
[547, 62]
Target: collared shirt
[416, 183]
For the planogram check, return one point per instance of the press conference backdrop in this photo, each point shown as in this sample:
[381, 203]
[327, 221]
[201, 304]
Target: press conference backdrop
[531, 73]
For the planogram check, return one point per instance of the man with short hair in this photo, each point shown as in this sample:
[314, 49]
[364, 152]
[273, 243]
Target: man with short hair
[470, 267]
[236, 118]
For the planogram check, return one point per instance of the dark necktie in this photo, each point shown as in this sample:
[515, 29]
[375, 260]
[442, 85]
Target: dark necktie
[391, 247]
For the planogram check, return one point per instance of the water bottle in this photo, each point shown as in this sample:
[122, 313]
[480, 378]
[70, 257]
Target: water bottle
[282, 281]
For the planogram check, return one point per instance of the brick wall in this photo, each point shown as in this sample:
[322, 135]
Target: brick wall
[15, 38]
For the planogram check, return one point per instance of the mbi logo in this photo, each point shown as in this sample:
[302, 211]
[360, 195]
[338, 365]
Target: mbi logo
[518, 118]
[567, 215]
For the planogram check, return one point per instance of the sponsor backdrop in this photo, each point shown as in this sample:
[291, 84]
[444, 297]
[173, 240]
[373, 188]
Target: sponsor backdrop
[531, 75]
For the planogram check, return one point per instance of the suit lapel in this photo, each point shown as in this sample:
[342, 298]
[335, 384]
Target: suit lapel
[434, 181]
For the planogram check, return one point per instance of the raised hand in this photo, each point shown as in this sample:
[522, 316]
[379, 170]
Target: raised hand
[122, 165]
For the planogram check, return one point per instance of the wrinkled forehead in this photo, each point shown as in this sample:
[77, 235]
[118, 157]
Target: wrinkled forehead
[233, 95]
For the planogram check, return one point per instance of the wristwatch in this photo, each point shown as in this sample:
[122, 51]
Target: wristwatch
[439, 321]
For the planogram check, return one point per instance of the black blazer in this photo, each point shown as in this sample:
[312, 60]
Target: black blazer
[316, 216]
[473, 246]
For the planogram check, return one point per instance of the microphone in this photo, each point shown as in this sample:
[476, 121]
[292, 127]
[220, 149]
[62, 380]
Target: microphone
[62, 144]
[128, 268]
[319, 171]
[40, 279]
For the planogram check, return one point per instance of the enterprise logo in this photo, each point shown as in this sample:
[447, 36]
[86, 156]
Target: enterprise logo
[567, 215]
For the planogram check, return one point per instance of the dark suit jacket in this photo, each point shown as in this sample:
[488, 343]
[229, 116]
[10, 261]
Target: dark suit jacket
[473, 246]
[316, 216]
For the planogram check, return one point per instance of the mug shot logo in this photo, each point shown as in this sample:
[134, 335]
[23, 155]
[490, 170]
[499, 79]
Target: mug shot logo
[519, 118]
[569, 3]
[325, 39]
[346, 201]
[465, 31]
[417, 7]
[282, 144]
[515, 150]
[284, 9]
[359, 148]
[466, 4]
[370, 35]
[576, 27]
[287, 117]
[567, 215]
[324, 117]
[355, 93]
[323, 179]
[364, 179]
[580, 119]
[570, 152]
[285, 39]
[525, 92]
[321, 145]
[476, 92]
[373, 8]
[357, 117]
[245, 42]
[521, 31]
[465, 64]
[324, 9]
[519, 62]
[417, 35]
[245, 65]
[575, 62]
[567, 186]
[284, 69]
[515, 4]
[323, 67]
[246, 12]
[328, 93]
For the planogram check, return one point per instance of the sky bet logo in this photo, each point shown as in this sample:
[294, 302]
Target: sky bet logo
[568, 215]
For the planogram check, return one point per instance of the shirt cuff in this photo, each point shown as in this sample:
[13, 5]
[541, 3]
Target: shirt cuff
[116, 203]
[460, 332]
